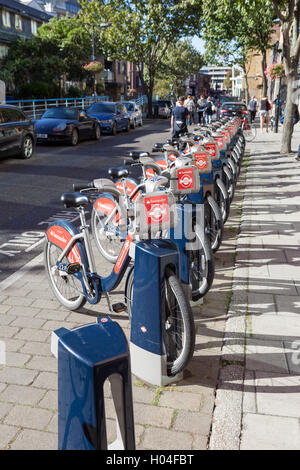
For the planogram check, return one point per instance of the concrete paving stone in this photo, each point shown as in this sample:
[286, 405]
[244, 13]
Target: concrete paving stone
[266, 356]
[8, 331]
[288, 305]
[199, 443]
[4, 410]
[272, 286]
[249, 392]
[278, 395]
[17, 375]
[28, 417]
[43, 363]
[47, 380]
[273, 327]
[57, 315]
[262, 432]
[43, 303]
[180, 400]
[7, 433]
[143, 395]
[2, 387]
[31, 334]
[22, 395]
[19, 301]
[53, 425]
[14, 291]
[35, 347]
[284, 271]
[49, 400]
[13, 345]
[29, 439]
[261, 304]
[4, 308]
[24, 311]
[163, 439]
[52, 325]
[293, 256]
[292, 353]
[16, 359]
[25, 322]
[153, 415]
[6, 319]
[194, 422]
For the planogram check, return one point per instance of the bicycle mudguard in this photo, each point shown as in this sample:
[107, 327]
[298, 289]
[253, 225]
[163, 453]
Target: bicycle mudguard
[163, 165]
[60, 233]
[131, 184]
[106, 204]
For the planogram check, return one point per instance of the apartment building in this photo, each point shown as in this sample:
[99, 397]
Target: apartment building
[217, 74]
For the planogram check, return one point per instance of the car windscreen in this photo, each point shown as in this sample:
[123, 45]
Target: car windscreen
[101, 108]
[234, 107]
[61, 113]
[129, 106]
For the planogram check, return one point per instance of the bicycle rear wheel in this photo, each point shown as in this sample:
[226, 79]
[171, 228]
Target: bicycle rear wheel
[222, 199]
[178, 321]
[66, 287]
[201, 267]
[213, 223]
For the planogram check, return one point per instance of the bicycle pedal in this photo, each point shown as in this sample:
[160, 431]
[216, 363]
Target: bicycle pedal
[119, 307]
[73, 268]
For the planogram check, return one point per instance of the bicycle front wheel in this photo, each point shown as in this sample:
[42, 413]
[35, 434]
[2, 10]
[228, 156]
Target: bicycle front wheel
[213, 223]
[249, 132]
[178, 323]
[66, 287]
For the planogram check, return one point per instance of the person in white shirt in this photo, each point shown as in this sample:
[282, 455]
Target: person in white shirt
[189, 103]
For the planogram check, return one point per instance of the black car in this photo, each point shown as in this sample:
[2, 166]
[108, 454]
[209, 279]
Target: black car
[66, 125]
[17, 133]
[232, 108]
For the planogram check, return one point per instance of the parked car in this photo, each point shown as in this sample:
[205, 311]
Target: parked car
[66, 125]
[230, 108]
[161, 108]
[112, 116]
[17, 133]
[135, 113]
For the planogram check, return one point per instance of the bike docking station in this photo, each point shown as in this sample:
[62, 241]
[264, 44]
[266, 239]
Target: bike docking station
[87, 356]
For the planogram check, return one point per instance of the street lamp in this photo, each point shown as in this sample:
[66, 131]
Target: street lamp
[102, 26]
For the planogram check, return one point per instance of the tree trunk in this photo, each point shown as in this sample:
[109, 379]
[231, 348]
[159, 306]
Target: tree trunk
[264, 78]
[288, 126]
[246, 89]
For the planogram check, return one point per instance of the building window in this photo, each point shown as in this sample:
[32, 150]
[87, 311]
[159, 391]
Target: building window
[6, 18]
[33, 27]
[18, 22]
[3, 50]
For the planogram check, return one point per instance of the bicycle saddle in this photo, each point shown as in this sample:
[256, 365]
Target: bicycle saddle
[74, 199]
[118, 172]
[138, 155]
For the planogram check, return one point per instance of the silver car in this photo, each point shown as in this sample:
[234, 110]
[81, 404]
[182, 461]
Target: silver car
[135, 113]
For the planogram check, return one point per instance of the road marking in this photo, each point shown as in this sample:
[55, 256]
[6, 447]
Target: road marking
[16, 276]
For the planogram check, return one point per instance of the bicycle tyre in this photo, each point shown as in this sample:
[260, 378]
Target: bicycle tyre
[61, 284]
[213, 222]
[202, 267]
[249, 134]
[108, 248]
[223, 199]
[229, 182]
[174, 365]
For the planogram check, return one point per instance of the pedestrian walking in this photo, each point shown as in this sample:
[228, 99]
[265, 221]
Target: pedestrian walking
[265, 107]
[179, 118]
[201, 105]
[253, 108]
[209, 110]
[191, 107]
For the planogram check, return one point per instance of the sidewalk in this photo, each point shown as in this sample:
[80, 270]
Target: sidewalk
[258, 400]
[241, 390]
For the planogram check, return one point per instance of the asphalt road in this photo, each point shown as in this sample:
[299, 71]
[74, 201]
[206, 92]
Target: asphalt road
[31, 189]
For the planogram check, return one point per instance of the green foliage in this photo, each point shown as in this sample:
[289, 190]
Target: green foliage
[73, 92]
[38, 90]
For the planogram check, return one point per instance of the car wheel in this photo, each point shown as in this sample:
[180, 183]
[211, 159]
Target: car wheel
[97, 132]
[133, 124]
[114, 129]
[74, 137]
[27, 147]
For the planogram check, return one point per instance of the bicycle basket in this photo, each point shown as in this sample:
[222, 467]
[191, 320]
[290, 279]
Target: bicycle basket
[155, 212]
[185, 180]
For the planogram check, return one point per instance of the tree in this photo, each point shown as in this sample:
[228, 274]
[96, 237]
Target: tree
[236, 28]
[180, 61]
[288, 13]
[141, 31]
[227, 81]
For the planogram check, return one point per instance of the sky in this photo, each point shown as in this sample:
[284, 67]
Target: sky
[198, 44]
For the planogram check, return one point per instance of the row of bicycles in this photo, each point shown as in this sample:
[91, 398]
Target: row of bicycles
[178, 195]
